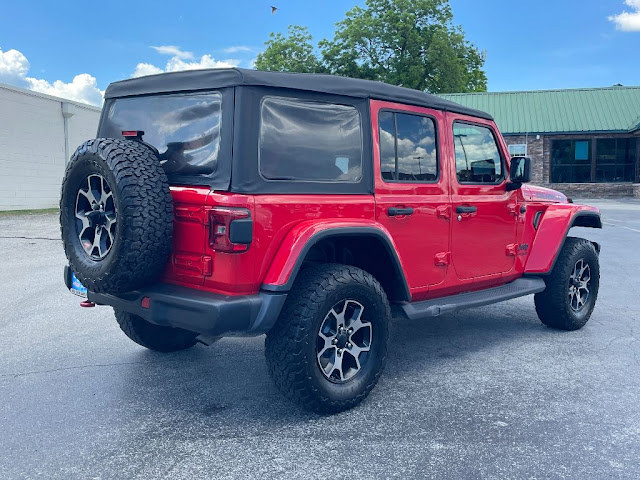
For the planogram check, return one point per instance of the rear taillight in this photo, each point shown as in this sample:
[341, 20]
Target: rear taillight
[230, 229]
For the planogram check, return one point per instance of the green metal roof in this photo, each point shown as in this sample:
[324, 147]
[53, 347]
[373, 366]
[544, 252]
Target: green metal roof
[612, 109]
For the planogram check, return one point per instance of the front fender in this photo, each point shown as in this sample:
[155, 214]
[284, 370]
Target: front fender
[290, 256]
[552, 232]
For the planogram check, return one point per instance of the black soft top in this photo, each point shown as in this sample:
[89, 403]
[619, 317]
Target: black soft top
[193, 80]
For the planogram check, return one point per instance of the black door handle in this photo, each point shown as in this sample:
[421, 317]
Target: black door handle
[466, 209]
[394, 211]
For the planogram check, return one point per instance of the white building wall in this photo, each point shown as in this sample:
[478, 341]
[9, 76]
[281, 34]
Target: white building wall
[32, 145]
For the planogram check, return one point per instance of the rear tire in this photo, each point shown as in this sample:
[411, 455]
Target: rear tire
[311, 359]
[572, 287]
[154, 337]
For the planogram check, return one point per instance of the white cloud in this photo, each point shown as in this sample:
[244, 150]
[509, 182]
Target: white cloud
[238, 48]
[14, 68]
[628, 21]
[83, 88]
[206, 61]
[143, 69]
[173, 51]
[180, 62]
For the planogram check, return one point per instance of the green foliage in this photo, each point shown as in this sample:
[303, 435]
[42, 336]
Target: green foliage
[412, 43]
[293, 53]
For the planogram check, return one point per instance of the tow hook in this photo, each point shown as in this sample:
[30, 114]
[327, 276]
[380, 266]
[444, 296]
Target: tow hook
[87, 304]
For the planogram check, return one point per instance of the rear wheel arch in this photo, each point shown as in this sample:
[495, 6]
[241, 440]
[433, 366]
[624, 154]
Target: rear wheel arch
[367, 248]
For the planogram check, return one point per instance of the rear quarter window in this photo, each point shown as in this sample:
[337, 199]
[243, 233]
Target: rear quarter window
[303, 140]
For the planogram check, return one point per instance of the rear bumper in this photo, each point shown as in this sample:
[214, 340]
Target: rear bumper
[203, 312]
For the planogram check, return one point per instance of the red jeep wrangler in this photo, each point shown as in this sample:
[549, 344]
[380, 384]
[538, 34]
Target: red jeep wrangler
[238, 202]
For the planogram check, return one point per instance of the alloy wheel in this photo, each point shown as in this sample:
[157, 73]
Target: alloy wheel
[96, 217]
[344, 341]
[579, 283]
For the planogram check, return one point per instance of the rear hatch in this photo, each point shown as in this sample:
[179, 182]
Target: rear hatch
[192, 133]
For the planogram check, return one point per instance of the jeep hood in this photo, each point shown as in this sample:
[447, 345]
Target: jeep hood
[534, 193]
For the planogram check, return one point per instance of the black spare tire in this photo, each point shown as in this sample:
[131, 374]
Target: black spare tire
[116, 215]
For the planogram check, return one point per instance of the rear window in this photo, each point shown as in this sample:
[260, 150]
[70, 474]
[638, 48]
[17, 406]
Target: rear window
[309, 141]
[184, 128]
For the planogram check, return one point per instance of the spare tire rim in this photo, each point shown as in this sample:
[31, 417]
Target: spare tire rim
[579, 283]
[344, 341]
[95, 217]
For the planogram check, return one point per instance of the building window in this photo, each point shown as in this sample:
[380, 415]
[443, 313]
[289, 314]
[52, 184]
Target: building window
[615, 160]
[570, 161]
[518, 150]
[407, 148]
[478, 158]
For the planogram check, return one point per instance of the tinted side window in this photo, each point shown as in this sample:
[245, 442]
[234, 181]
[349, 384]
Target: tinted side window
[477, 156]
[407, 147]
[309, 141]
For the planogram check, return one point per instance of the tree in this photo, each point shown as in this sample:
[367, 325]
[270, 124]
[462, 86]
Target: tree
[413, 43]
[293, 53]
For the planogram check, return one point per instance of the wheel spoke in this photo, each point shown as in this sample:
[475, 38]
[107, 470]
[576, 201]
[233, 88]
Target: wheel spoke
[82, 216]
[339, 317]
[586, 275]
[583, 267]
[104, 195]
[358, 324]
[97, 239]
[337, 366]
[356, 350]
[110, 221]
[356, 358]
[88, 195]
[327, 343]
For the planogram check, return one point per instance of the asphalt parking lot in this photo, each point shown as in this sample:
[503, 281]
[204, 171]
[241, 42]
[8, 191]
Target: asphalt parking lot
[486, 393]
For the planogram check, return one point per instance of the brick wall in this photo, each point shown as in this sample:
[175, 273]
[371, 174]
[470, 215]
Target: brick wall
[535, 150]
[594, 190]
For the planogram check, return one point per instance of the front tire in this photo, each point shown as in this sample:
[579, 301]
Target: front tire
[572, 287]
[329, 346]
[154, 337]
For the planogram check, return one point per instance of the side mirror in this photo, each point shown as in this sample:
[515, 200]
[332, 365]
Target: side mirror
[519, 173]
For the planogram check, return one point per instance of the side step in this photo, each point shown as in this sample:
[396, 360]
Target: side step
[438, 306]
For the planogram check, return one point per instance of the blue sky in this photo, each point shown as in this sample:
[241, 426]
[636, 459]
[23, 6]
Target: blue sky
[74, 49]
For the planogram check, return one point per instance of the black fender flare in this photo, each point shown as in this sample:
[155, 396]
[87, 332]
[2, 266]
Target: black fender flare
[345, 232]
